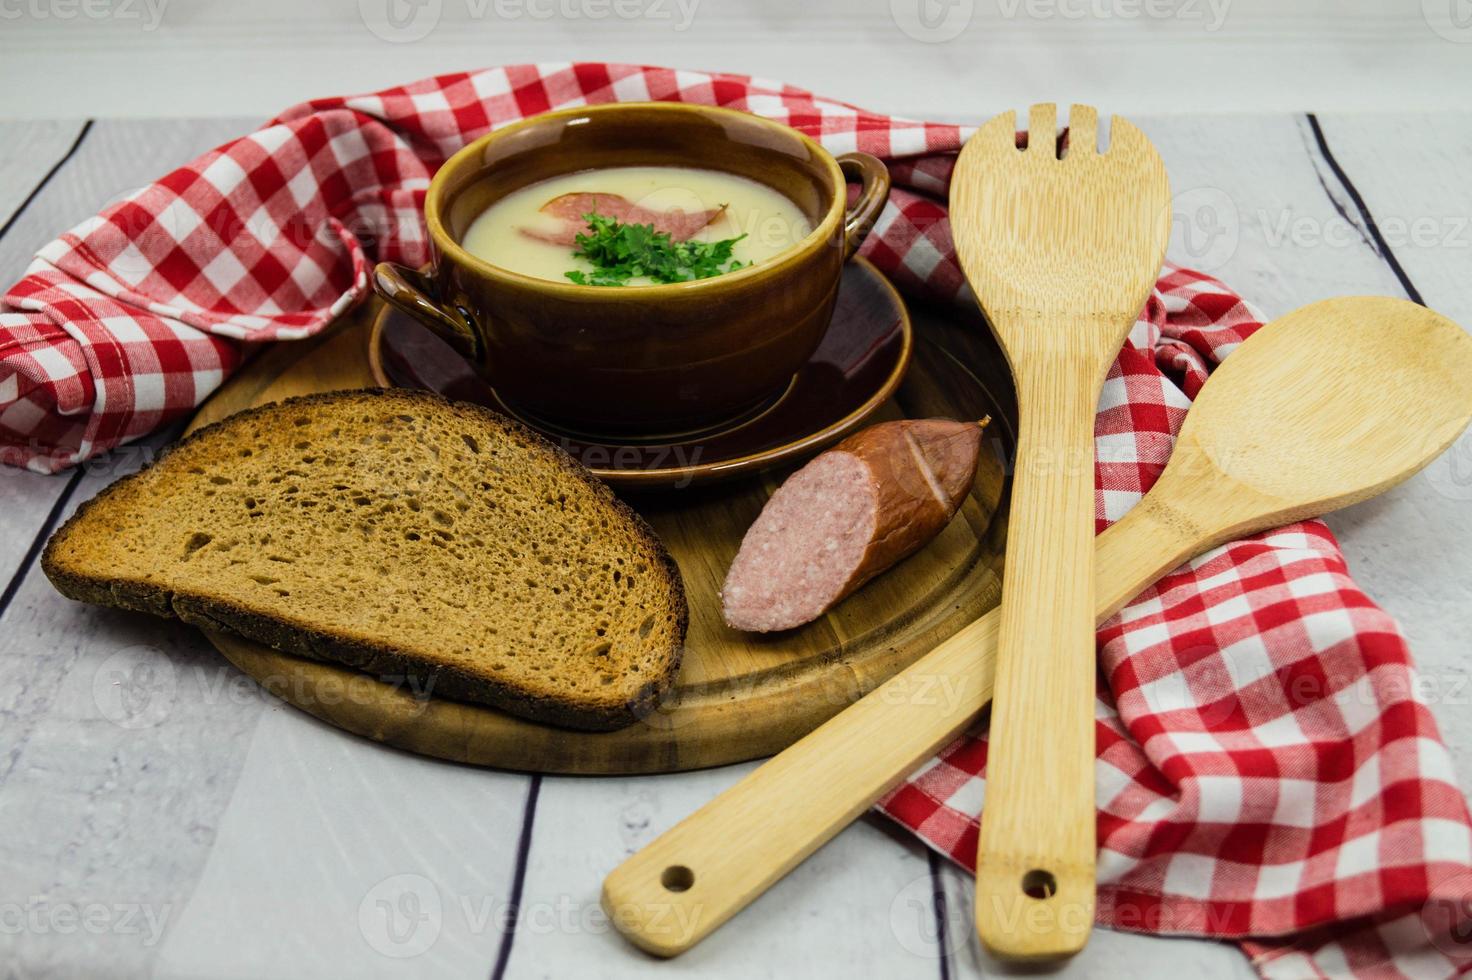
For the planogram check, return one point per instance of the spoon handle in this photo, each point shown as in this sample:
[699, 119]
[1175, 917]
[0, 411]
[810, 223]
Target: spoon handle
[684, 885]
[1035, 868]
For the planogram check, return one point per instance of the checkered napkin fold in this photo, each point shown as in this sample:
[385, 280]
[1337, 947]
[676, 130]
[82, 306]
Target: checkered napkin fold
[1265, 770]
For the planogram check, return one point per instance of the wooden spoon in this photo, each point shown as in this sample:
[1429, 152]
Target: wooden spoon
[1062, 254]
[1320, 409]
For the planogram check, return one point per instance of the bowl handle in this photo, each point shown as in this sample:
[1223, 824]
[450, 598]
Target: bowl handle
[873, 178]
[411, 291]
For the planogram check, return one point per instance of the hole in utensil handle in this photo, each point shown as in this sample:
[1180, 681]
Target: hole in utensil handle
[1038, 884]
[677, 878]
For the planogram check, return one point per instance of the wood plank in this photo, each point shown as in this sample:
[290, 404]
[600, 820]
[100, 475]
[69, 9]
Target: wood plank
[115, 158]
[845, 912]
[27, 151]
[112, 159]
[1409, 548]
[1241, 185]
[30, 154]
[121, 743]
[1411, 172]
[340, 858]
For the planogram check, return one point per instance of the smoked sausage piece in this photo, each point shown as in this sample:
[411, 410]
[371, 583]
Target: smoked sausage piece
[851, 513]
[679, 225]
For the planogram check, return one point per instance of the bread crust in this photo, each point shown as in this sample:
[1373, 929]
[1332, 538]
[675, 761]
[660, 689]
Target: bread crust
[384, 659]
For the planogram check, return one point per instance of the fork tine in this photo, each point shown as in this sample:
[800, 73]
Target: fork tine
[1083, 131]
[1042, 129]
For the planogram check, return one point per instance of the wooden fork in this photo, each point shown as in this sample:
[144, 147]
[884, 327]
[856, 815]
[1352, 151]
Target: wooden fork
[1062, 252]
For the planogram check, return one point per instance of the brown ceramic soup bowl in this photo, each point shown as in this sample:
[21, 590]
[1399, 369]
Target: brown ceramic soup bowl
[638, 359]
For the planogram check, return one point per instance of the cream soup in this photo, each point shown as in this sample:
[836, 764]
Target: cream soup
[531, 230]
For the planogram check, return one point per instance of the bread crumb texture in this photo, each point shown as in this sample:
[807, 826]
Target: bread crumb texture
[401, 534]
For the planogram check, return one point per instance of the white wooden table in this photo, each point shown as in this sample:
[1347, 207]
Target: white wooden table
[161, 817]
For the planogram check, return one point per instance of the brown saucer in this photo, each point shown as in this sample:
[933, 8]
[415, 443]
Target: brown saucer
[859, 364]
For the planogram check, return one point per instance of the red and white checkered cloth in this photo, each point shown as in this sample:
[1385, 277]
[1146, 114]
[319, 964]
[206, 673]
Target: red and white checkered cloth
[1266, 772]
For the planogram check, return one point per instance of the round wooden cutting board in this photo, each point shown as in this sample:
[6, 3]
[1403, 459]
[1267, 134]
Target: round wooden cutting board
[738, 696]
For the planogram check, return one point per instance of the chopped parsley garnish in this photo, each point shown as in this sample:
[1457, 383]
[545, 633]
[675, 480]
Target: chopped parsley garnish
[621, 252]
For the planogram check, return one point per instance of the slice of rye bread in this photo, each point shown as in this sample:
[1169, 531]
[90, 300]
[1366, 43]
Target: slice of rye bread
[403, 535]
